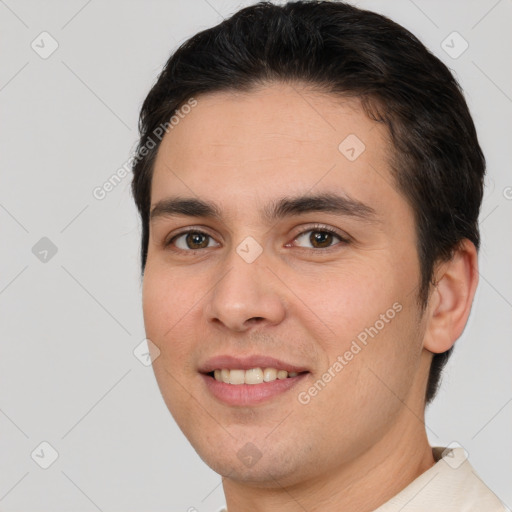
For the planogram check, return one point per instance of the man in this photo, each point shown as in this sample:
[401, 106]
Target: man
[309, 181]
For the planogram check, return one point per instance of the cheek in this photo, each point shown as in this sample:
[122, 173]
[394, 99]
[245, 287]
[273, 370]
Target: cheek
[168, 307]
[372, 325]
[351, 298]
[370, 371]
[168, 300]
[165, 297]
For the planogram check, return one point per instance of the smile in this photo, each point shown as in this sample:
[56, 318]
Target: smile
[249, 380]
[251, 376]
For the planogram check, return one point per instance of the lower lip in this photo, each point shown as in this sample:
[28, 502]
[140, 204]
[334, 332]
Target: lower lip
[249, 394]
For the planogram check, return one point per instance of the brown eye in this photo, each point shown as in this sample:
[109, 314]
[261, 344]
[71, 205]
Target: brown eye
[319, 238]
[196, 240]
[191, 241]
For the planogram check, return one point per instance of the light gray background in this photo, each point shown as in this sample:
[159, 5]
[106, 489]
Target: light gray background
[69, 325]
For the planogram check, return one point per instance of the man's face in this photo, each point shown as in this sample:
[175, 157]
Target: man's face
[251, 286]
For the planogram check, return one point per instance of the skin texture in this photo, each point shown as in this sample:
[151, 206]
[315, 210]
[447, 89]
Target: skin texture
[364, 431]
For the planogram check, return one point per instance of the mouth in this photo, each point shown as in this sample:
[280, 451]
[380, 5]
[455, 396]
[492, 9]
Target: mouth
[251, 380]
[252, 376]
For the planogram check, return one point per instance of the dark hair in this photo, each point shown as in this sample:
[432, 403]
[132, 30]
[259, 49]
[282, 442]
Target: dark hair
[437, 162]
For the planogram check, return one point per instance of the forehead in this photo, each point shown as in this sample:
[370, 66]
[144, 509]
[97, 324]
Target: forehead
[236, 148]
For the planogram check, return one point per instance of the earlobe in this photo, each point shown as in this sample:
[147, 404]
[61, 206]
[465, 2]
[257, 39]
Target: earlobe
[451, 299]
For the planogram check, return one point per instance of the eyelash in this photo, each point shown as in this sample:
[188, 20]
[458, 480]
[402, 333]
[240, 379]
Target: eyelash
[317, 227]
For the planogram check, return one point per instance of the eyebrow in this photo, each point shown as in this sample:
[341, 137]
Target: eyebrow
[279, 209]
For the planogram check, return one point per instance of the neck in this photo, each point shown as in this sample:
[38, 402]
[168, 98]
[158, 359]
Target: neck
[361, 485]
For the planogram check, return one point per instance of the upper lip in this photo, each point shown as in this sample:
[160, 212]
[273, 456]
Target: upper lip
[247, 362]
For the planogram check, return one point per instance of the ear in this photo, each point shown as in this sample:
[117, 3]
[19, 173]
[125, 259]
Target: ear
[450, 300]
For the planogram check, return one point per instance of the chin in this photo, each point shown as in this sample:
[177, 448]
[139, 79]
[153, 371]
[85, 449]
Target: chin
[266, 468]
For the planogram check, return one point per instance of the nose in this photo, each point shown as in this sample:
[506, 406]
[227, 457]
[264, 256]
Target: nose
[246, 295]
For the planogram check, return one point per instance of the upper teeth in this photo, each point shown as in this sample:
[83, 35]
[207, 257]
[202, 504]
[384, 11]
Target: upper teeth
[252, 376]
